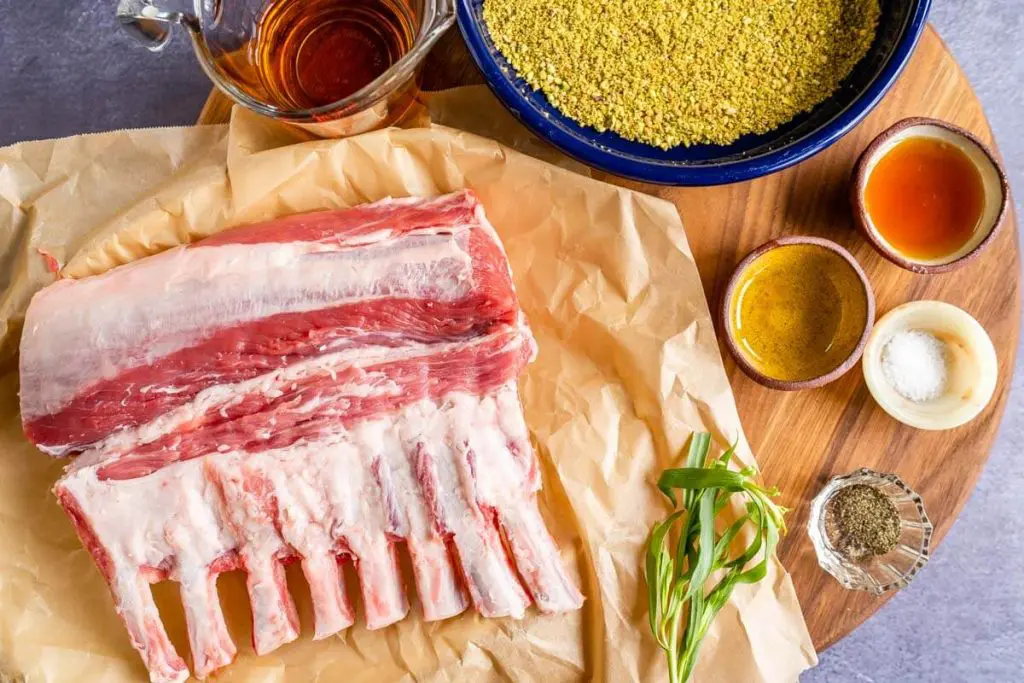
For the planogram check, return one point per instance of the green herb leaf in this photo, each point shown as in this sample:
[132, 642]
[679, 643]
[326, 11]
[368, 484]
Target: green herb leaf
[682, 601]
[694, 479]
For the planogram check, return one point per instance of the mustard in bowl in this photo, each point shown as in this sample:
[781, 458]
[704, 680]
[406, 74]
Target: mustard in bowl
[797, 312]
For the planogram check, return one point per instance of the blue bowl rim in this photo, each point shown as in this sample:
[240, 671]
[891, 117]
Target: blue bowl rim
[671, 174]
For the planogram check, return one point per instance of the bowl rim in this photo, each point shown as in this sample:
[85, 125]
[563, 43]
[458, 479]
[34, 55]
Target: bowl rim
[589, 153]
[725, 308]
[883, 393]
[860, 179]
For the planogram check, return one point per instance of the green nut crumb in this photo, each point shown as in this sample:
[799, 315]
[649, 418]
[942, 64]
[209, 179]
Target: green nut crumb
[683, 72]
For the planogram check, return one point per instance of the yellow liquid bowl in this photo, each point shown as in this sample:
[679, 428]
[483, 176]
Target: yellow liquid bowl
[797, 313]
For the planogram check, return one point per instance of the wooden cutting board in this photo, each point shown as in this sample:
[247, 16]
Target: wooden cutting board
[804, 438]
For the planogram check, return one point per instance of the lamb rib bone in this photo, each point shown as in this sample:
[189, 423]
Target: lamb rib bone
[317, 502]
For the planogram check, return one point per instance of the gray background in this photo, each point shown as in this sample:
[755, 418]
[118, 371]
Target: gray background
[66, 70]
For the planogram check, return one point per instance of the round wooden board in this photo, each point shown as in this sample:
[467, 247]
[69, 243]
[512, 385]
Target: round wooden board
[803, 438]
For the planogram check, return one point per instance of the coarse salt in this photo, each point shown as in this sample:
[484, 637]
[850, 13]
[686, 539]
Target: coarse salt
[915, 363]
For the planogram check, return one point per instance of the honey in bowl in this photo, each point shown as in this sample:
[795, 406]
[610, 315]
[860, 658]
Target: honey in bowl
[925, 197]
[797, 312]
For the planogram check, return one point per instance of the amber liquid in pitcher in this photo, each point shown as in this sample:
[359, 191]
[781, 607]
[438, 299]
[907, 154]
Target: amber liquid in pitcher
[311, 53]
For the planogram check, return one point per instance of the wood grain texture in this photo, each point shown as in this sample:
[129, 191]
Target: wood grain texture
[804, 438]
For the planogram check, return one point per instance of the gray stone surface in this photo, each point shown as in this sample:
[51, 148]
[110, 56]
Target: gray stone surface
[67, 70]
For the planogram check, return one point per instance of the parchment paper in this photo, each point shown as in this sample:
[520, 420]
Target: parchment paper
[628, 367]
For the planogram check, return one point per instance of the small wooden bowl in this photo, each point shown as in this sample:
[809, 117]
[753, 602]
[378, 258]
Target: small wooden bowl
[725, 311]
[996, 188]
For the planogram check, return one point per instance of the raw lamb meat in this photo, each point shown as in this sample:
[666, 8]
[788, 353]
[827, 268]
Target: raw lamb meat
[315, 389]
[116, 351]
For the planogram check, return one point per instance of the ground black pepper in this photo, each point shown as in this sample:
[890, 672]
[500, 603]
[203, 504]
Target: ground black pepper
[861, 522]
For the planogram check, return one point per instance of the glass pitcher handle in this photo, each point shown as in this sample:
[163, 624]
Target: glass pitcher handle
[148, 24]
[444, 12]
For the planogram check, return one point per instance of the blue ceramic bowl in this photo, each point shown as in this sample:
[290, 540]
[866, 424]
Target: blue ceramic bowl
[751, 156]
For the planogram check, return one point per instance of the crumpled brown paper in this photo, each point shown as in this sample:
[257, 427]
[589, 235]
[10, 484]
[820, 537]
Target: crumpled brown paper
[628, 367]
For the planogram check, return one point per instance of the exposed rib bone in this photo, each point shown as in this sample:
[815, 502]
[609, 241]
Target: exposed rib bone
[447, 470]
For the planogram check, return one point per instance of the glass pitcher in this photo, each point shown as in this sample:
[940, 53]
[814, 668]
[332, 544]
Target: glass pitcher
[224, 34]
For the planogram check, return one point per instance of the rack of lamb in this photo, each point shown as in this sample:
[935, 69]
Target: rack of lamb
[320, 388]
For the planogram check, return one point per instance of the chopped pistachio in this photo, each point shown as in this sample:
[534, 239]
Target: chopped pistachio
[653, 58]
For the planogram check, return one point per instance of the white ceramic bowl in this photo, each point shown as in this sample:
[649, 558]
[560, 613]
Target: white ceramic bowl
[972, 373]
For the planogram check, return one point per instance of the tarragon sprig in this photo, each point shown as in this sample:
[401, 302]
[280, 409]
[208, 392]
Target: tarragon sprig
[682, 598]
